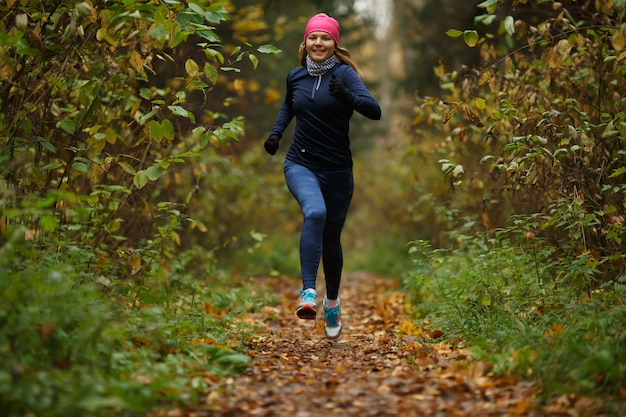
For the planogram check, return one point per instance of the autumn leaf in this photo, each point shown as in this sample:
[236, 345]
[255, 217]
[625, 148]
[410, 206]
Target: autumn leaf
[191, 67]
[618, 40]
[377, 367]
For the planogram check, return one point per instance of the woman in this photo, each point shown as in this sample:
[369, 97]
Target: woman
[322, 95]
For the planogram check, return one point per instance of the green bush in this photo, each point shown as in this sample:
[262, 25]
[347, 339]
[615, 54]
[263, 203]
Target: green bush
[75, 342]
[56, 337]
[512, 305]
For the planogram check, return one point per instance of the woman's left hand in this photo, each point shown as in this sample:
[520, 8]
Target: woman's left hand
[338, 89]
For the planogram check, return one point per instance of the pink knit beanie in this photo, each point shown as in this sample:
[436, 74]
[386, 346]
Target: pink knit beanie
[323, 23]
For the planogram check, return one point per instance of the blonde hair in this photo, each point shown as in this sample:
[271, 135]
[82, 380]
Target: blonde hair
[342, 54]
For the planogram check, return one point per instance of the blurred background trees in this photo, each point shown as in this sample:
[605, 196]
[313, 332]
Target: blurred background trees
[128, 124]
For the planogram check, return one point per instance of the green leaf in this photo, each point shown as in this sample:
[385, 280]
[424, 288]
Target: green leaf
[254, 60]
[484, 19]
[140, 179]
[48, 223]
[27, 125]
[168, 129]
[147, 116]
[509, 25]
[80, 166]
[110, 136]
[211, 73]
[154, 172]
[447, 167]
[188, 154]
[144, 93]
[259, 237]
[209, 35]
[51, 167]
[454, 33]
[489, 5]
[47, 145]
[127, 167]
[268, 49]
[156, 130]
[471, 38]
[214, 17]
[196, 8]
[458, 171]
[68, 126]
[161, 130]
[179, 111]
[618, 172]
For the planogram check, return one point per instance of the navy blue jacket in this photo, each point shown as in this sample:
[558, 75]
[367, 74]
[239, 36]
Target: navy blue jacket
[321, 138]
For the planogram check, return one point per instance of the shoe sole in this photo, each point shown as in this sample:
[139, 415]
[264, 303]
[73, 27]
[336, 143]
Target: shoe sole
[333, 336]
[307, 313]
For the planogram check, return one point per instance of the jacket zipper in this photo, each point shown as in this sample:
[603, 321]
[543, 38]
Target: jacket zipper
[316, 86]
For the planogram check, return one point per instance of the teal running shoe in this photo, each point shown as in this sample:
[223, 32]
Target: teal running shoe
[332, 320]
[307, 305]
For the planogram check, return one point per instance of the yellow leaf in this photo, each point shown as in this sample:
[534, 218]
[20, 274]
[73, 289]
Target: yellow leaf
[481, 103]
[618, 40]
[176, 237]
[521, 408]
[485, 76]
[191, 67]
[564, 47]
[409, 329]
[195, 224]
[554, 58]
[136, 61]
[134, 262]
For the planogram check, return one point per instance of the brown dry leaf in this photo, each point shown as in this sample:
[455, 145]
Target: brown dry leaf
[381, 365]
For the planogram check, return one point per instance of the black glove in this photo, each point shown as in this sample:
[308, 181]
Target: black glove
[338, 89]
[271, 144]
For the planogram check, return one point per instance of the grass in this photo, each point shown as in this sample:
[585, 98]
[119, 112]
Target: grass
[510, 308]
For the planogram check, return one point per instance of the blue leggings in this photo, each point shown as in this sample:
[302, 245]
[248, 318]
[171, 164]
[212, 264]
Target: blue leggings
[324, 198]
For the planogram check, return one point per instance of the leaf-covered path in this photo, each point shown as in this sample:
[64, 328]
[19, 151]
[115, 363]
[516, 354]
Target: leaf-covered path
[371, 370]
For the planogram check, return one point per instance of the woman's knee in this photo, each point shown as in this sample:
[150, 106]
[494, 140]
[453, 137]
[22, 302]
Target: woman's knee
[315, 213]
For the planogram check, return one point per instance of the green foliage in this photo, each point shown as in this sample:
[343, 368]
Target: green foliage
[511, 305]
[534, 148]
[77, 343]
[541, 127]
[103, 313]
[92, 121]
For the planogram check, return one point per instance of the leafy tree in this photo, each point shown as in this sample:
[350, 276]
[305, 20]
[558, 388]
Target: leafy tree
[98, 102]
[540, 130]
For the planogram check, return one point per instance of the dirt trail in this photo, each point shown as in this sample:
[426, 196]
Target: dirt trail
[369, 371]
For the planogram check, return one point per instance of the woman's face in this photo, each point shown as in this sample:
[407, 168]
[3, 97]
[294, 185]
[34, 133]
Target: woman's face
[320, 46]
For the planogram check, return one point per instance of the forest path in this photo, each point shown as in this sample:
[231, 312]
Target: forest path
[371, 370]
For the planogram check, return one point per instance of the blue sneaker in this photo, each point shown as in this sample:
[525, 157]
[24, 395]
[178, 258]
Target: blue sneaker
[332, 320]
[307, 305]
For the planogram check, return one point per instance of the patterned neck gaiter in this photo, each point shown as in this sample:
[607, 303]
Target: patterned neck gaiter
[320, 68]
